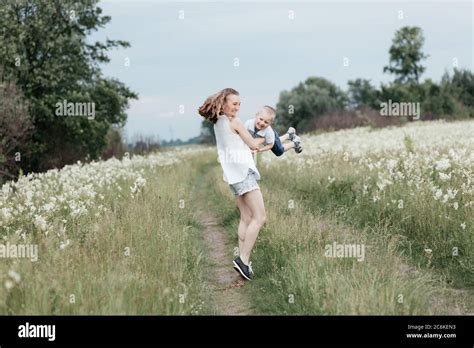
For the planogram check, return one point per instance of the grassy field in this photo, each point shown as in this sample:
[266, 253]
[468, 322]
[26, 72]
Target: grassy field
[295, 276]
[124, 237]
[140, 255]
[379, 190]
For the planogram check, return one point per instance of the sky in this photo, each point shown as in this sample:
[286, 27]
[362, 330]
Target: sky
[182, 52]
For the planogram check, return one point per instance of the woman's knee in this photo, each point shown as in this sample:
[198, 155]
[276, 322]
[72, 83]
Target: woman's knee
[260, 219]
[245, 219]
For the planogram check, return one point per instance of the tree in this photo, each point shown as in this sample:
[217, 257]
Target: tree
[437, 101]
[406, 55]
[362, 93]
[115, 146]
[43, 48]
[313, 98]
[15, 131]
[207, 135]
[461, 85]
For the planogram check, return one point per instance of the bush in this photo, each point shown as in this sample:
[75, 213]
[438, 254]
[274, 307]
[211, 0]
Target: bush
[15, 131]
[461, 85]
[143, 144]
[361, 93]
[313, 98]
[115, 146]
[361, 117]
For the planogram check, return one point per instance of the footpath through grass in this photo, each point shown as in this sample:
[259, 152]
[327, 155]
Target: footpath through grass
[294, 275]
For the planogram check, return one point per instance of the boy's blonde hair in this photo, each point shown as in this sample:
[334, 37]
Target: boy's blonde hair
[271, 111]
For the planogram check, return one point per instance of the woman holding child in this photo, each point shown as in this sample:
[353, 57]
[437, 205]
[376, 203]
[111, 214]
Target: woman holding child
[235, 144]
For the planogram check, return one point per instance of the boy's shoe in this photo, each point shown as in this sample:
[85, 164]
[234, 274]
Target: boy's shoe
[298, 146]
[243, 269]
[291, 133]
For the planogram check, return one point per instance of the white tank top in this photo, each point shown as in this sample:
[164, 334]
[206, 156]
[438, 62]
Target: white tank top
[234, 155]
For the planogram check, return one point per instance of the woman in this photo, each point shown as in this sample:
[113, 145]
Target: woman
[234, 144]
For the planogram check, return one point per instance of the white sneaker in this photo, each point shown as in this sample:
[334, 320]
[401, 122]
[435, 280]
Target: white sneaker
[291, 133]
[298, 146]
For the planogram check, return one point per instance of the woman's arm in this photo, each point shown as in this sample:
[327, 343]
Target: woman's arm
[239, 127]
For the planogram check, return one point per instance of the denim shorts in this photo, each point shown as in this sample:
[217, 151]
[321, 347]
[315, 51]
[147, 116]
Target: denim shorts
[247, 185]
[278, 148]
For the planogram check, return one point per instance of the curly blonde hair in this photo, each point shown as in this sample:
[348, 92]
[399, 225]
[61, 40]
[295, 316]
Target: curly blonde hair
[214, 105]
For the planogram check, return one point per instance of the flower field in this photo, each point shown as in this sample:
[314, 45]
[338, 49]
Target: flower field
[105, 237]
[124, 236]
[418, 180]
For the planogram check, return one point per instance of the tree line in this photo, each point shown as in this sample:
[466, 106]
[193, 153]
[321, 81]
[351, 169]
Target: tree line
[317, 103]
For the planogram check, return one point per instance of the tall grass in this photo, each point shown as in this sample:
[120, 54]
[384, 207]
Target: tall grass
[144, 256]
[429, 232]
[293, 275]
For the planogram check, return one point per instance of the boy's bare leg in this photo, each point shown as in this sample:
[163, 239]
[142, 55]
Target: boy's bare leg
[288, 146]
[284, 137]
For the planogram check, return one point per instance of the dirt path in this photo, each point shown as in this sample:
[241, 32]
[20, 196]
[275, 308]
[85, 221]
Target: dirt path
[225, 283]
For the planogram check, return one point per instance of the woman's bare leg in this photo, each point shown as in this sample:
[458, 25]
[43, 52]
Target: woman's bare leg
[254, 201]
[245, 219]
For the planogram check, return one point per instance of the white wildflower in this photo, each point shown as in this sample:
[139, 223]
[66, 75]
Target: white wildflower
[443, 164]
[9, 284]
[445, 177]
[64, 245]
[138, 185]
[16, 277]
[40, 223]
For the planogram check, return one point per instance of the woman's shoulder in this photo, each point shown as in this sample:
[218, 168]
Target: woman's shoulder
[235, 120]
[235, 124]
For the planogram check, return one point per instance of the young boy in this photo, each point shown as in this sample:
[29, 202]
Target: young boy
[260, 128]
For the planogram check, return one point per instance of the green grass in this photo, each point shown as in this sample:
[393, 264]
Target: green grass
[147, 256]
[143, 257]
[293, 276]
[421, 224]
